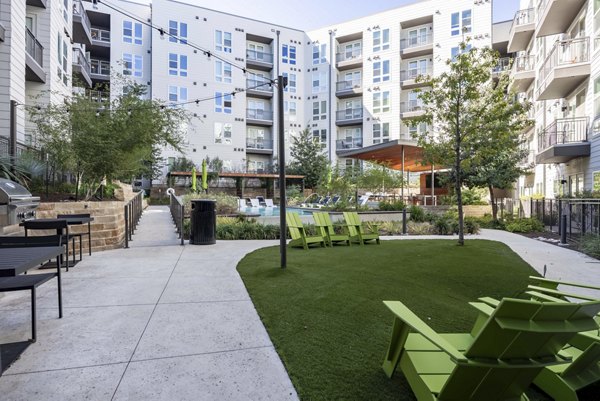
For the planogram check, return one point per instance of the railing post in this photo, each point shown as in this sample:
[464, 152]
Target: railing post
[182, 211]
[126, 213]
[404, 221]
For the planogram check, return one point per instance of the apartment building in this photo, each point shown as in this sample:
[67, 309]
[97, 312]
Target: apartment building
[352, 84]
[556, 67]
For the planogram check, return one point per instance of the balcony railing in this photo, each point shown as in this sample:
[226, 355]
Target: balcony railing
[80, 11]
[503, 65]
[540, 8]
[262, 57]
[411, 106]
[566, 52]
[259, 114]
[259, 143]
[100, 67]
[416, 41]
[523, 63]
[353, 54]
[34, 48]
[349, 114]
[349, 143]
[259, 85]
[564, 131]
[414, 73]
[80, 59]
[524, 17]
[101, 35]
[348, 85]
[98, 96]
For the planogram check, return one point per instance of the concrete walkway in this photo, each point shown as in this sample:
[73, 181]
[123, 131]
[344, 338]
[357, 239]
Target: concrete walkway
[157, 321]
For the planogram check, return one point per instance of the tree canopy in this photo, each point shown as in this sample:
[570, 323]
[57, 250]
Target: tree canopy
[308, 158]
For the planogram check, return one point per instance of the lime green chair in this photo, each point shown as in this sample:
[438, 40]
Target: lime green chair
[298, 234]
[515, 343]
[323, 223]
[359, 233]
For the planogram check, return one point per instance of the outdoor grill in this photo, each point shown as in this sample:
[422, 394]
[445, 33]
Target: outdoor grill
[16, 203]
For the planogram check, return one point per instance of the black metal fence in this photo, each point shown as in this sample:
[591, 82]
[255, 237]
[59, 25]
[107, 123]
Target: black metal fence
[133, 212]
[177, 213]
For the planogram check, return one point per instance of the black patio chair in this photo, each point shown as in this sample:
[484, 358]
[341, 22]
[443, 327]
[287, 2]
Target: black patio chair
[61, 227]
[80, 235]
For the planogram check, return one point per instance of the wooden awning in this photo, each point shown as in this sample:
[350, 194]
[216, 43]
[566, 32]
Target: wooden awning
[390, 153]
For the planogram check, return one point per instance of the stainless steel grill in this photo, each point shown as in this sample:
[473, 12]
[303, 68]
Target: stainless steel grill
[16, 203]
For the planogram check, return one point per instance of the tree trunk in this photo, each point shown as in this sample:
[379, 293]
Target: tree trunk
[493, 202]
[458, 188]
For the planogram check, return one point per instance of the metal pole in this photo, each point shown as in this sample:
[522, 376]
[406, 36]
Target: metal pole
[126, 227]
[281, 84]
[563, 231]
[331, 64]
[404, 221]
[402, 173]
[432, 185]
[12, 149]
[182, 212]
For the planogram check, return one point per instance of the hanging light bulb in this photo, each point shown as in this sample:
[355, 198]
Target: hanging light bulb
[162, 33]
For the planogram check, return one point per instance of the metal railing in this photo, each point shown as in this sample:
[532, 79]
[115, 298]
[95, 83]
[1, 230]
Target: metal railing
[97, 96]
[260, 85]
[80, 11]
[524, 17]
[100, 67]
[523, 63]
[562, 131]
[349, 114]
[253, 55]
[349, 143]
[411, 106]
[342, 86]
[34, 48]
[259, 114]
[133, 212]
[565, 52]
[354, 54]
[177, 209]
[259, 143]
[414, 73]
[415, 41]
[80, 59]
[101, 35]
[503, 65]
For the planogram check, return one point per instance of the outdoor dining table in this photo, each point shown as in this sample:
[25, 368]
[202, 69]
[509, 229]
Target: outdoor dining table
[14, 262]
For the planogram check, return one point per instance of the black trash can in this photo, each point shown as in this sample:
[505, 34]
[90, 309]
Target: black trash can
[203, 228]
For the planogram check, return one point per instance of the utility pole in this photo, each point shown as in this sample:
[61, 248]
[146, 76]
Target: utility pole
[12, 146]
[281, 84]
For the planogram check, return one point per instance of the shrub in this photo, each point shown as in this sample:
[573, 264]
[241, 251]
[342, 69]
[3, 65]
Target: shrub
[524, 226]
[443, 225]
[392, 206]
[417, 214]
[226, 204]
[590, 244]
[472, 225]
[417, 228]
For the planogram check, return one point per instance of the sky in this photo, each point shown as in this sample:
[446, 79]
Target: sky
[302, 15]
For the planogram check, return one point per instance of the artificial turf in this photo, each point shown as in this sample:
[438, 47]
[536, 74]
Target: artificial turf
[325, 315]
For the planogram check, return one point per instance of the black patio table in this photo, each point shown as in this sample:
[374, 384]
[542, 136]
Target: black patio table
[14, 262]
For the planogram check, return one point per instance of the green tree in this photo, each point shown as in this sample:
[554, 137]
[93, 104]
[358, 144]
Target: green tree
[308, 158]
[378, 177]
[467, 114]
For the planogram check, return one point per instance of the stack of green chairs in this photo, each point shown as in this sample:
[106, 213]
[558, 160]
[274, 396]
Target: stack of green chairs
[323, 223]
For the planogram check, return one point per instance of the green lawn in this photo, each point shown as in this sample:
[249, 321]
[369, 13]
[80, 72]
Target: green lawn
[325, 316]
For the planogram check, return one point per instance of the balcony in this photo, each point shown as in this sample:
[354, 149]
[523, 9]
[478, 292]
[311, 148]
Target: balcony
[98, 96]
[502, 66]
[259, 88]
[521, 30]
[34, 58]
[345, 89]
[99, 70]
[417, 46]
[81, 24]
[567, 66]
[259, 117]
[261, 146]
[81, 67]
[563, 140]
[36, 3]
[349, 59]
[411, 109]
[347, 117]
[523, 72]
[342, 145]
[259, 60]
[555, 16]
[414, 78]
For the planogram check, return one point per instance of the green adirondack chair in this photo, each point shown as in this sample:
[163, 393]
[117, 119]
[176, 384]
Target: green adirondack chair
[323, 223]
[358, 233]
[298, 234]
[516, 342]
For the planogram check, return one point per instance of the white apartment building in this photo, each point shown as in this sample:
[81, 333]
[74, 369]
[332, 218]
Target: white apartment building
[557, 68]
[352, 84]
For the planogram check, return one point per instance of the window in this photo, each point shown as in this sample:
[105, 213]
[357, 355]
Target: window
[132, 32]
[455, 51]
[223, 41]
[66, 10]
[177, 64]
[288, 54]
[350, 138]
[223, 72]
[320, 110]
[177, 94]
[223, 102]
[381, 71]
[257, 138]
[381, 102]
[177, 32]
[291, 86]
[62, 57]
[381, 133]
[352, 50]
[416, 68]
[415, 130]
[321, 137]
[223, 133]
[460, 25]
[132, 65]
[381, 40]
[352, 109]
[319, 54]
[319, 81]
[289, 108]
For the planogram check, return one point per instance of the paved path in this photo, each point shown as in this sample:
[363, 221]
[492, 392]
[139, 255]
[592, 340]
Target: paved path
[157, 321]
